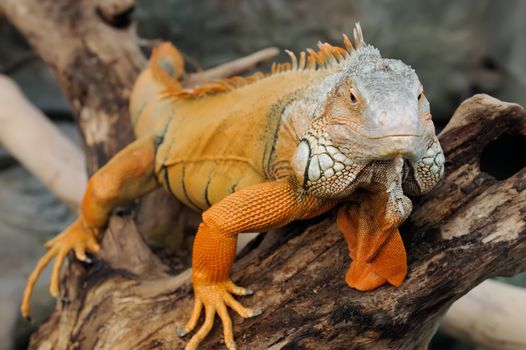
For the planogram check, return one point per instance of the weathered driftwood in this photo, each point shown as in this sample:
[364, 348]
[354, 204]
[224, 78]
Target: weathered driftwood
[470, 228]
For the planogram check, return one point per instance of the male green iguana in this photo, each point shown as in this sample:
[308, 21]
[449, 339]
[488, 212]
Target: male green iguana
[340, 125]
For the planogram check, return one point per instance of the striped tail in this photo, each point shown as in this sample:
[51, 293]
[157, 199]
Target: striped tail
[165, 70]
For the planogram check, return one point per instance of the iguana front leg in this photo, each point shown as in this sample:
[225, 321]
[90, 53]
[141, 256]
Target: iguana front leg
[256, 208]
[126, 176]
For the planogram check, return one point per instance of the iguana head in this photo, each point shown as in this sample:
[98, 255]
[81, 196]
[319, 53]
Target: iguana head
[368, 109]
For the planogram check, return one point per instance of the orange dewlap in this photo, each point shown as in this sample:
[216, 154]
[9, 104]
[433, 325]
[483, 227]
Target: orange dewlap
[375, 245]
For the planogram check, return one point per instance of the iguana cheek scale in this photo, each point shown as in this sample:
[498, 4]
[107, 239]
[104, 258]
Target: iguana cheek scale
[340, 125]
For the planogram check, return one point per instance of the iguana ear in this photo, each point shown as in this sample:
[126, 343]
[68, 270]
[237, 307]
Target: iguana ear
[424, 173]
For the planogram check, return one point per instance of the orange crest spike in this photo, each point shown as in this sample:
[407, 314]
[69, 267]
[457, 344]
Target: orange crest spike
[358, 36]
[347, 43]
[286, 66]
[303, 61]
[293, 59]
[328, 52]
[316, 57]
[326, 57]
[339, 53]
[311, 62]
[274, 68]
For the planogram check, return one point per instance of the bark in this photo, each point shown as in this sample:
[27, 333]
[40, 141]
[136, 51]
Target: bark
[470, 228]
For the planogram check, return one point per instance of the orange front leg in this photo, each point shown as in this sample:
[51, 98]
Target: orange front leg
[375, 245]
[256, 208]
[127, 176]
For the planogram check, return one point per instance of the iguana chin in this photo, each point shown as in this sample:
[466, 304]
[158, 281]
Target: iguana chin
[340, 125]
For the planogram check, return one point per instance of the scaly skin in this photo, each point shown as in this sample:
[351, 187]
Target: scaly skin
[337, 125]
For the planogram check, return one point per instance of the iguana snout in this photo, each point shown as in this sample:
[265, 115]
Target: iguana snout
[392, 121]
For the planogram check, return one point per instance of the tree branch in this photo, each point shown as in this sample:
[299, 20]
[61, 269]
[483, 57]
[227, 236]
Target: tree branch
[235, 67]
[32, 139]
[468, 318]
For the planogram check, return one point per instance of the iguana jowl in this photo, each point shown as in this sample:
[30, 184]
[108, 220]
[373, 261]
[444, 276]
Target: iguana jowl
[340, 125]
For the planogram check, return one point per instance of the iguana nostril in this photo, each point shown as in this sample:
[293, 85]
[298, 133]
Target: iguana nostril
[382, 118]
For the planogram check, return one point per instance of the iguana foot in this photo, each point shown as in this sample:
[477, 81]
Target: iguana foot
[77, 238]
[215, 297]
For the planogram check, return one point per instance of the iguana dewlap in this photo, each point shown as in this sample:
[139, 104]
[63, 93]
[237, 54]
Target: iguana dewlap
[341, 125]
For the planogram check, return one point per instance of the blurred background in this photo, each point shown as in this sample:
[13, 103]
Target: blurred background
[458, 48]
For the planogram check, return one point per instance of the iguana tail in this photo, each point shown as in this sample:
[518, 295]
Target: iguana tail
[165, 70]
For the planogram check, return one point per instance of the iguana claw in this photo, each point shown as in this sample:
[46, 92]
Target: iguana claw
[215, 297]
[77, 238]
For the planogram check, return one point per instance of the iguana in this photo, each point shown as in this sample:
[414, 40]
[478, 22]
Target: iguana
[340, 125]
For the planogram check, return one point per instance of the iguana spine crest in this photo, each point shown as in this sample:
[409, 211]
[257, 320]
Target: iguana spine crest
[327, 57]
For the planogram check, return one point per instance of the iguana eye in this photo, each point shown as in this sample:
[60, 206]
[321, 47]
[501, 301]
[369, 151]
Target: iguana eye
[353, 98]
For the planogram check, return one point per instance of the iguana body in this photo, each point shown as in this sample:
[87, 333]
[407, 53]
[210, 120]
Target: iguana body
[213, 145]
[256, 153]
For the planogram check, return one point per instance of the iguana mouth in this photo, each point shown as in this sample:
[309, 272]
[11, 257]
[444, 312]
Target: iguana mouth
[392, 135]
[363, 131]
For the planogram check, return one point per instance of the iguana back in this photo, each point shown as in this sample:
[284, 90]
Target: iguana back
[212, 144]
